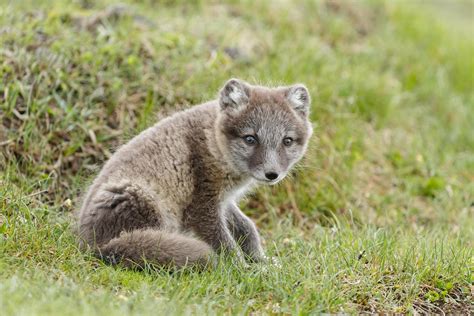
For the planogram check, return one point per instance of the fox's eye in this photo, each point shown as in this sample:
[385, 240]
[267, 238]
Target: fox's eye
[250, 140]
[287, 141]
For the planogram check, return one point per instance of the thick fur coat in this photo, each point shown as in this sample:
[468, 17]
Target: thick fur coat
[170, 195]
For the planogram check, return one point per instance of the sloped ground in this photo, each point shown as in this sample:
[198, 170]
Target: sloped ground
[379, 216]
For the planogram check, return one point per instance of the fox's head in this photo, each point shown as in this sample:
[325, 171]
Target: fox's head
[263, 131]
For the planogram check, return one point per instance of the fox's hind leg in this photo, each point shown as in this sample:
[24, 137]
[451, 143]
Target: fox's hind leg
[117, 208]
[123, 224]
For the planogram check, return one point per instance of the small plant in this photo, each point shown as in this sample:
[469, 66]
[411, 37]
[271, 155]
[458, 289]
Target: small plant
[432, 186]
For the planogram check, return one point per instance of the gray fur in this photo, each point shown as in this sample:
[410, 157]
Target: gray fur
[170, 195]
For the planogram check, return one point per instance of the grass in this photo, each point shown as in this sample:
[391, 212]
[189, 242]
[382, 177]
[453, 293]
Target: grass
[377, 218]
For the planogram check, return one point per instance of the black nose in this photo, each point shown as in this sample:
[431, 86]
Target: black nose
[271, 175]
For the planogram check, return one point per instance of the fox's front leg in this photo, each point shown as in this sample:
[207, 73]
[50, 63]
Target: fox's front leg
[210, 226]
[245, 232]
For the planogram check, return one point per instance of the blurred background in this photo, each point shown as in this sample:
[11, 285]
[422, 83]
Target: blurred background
[392, 84]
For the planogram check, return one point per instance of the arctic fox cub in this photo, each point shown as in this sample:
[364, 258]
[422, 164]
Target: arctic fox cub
[169, 196]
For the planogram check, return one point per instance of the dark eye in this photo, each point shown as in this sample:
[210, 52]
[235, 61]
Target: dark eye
[250, 140]
[287, 141]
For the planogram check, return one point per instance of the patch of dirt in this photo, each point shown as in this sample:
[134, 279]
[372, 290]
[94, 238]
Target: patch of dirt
[112, 14]
[456, 302]
[362, 18]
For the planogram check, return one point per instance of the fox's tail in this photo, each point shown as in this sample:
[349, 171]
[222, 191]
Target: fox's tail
[158, 248]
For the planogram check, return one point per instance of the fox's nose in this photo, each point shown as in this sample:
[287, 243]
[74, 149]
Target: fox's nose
[271, 175]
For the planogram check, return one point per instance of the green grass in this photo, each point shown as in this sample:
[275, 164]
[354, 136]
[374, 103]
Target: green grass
[377, 218]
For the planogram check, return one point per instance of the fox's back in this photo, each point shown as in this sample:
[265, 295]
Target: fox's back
[161, 157]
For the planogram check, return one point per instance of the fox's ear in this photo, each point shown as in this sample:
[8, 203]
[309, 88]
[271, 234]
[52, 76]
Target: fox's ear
[234, 94]
[298, 96]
